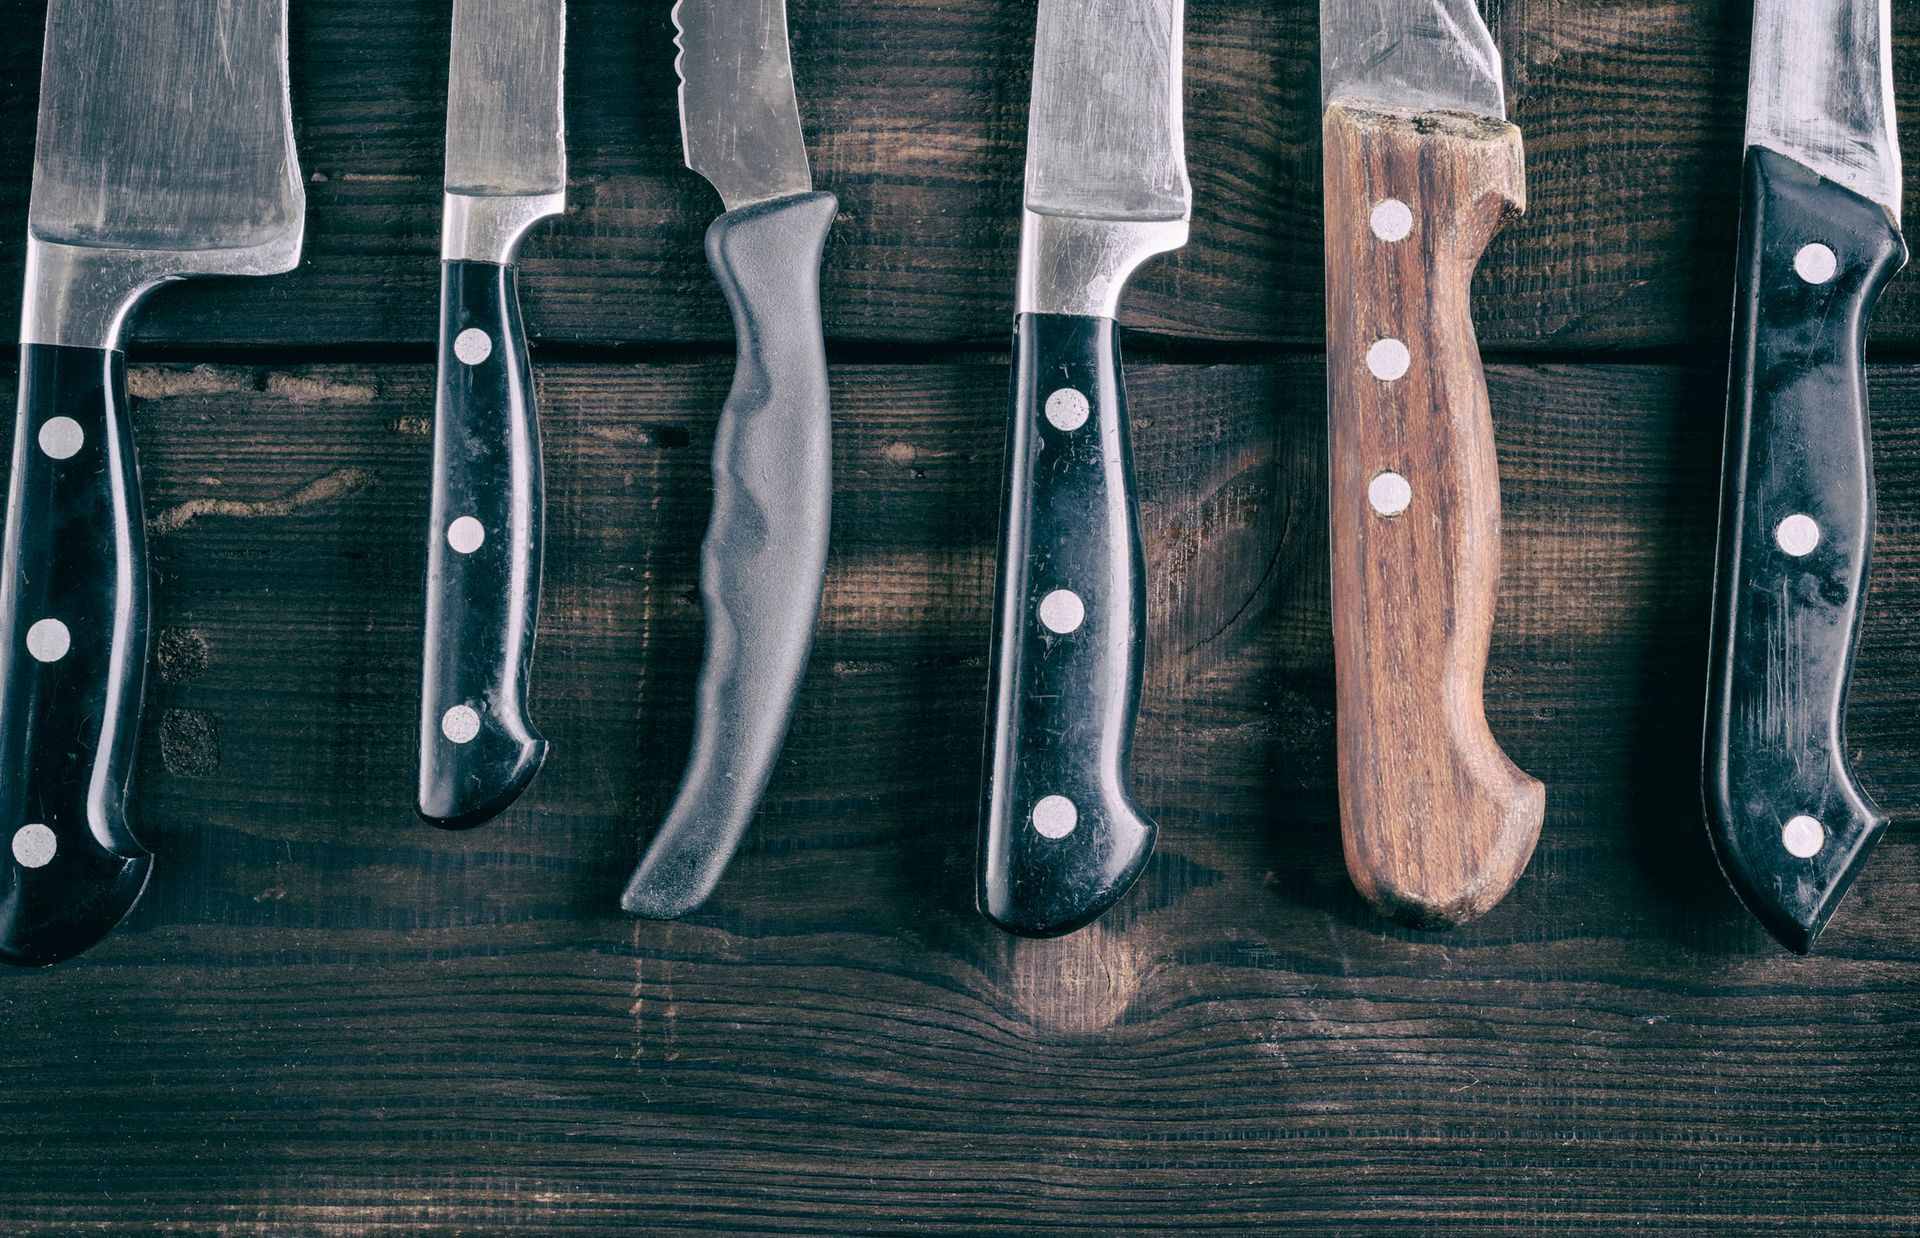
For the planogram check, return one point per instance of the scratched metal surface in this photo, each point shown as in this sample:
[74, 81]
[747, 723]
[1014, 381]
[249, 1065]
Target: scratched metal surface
[1105, 131]
[506, 128]
[1822, 91]
[1411, 53]
[165, 125]
[739, 119]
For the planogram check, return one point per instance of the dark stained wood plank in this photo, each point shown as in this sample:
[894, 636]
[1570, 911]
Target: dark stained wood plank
[327, 1017]
[915, 114]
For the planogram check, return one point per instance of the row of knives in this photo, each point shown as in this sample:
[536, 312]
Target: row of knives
[165, 150]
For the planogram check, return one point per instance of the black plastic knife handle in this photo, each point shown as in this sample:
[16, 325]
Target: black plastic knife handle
[1790, 825]
[1060, 837]
[478, 747]
[73, 654]
[763, 563]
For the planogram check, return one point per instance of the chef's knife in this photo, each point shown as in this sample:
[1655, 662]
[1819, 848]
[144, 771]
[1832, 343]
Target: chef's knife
[1422, 169]
[1819, 238]
[763, 563]
[164, 150]
[506, 170]
[1106, 188]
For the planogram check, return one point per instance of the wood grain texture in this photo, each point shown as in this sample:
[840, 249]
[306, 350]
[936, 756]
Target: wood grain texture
[328, 1018]
[915, 115]
[1437, 821]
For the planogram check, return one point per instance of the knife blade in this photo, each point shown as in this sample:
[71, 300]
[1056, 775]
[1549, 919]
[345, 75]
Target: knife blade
[1061, 838]
[1819, 239]
[506, 169]
[164, 150]
[763, 561]
[1422, 169]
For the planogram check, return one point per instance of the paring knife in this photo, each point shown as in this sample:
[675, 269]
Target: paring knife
[1106, 188]
[506, 170]
[763, 563]
[1819, 238]
[164, 150]
[1422, 169]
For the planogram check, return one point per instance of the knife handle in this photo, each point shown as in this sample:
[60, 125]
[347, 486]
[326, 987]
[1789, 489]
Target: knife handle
[764, 561]
[1438, 823]
[1790, 824]
[73, 654]
[478, 747]
[1060, 836]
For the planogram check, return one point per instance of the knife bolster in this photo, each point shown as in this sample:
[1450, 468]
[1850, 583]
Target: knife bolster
[490, 227]
[80, 296]
[1438, 823]
[1075, 266]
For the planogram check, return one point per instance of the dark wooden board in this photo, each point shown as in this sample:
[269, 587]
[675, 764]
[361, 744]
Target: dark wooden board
[328, 1018]
[915, 115]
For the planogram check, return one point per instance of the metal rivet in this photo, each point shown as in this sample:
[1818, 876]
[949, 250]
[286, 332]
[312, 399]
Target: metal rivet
[466, 534]
[34, 845]
[1390, 494]
[61, 437]
[1388, 360]
[1067, 409]
[1803, 837]
[49, 640]
[1797, 535]
[1392, 220]
[1816, 263]
[1062, 611]
[1055, 816]
[460, 724]
[472, 346]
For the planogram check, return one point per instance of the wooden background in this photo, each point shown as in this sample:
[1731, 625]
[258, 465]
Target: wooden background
[328, 1018]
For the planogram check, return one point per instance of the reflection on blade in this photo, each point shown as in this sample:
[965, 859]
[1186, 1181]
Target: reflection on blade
[739, 121]
[165, 125]
[1821, 92]
[506, 129]
[1104, 136]
[1420, 54]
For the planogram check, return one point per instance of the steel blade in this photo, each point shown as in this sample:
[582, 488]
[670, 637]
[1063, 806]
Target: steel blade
[1426, 55]
[1821, 92]
[165, 126]
[506, 125]
[1104, 135]
[739, 120]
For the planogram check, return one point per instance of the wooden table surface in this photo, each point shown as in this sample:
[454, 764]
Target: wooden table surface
[326, 1017]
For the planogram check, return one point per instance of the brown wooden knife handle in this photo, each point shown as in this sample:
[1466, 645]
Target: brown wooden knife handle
[1438, 822]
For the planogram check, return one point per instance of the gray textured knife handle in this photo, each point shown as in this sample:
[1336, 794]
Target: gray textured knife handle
[765, 556]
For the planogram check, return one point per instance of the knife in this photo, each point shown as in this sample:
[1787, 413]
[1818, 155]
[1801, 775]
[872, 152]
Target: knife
[506, 170]
[1422, 169]
[1106, 188]
[763, 563]
[1819, 238]
[164, 150]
